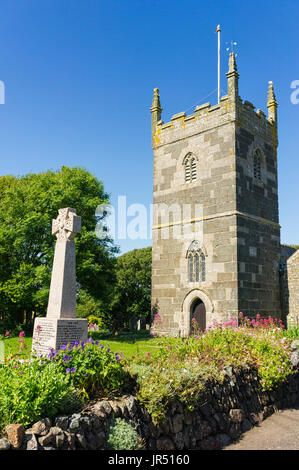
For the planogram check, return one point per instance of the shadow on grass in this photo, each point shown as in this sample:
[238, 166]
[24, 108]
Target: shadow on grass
[124, 337]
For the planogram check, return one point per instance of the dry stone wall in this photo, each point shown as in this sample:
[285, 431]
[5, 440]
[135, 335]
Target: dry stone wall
[227, 411]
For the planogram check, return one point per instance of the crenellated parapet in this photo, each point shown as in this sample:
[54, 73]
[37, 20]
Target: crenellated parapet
[231, 108]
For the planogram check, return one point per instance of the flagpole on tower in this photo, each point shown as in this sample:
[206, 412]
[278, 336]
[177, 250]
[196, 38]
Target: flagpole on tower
[218, 30]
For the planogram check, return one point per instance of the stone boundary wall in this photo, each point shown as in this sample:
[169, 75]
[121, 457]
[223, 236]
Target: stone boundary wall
[227, 411]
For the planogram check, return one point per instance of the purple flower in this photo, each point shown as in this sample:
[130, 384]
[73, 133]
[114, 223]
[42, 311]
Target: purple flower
[68, 371]
[73, 369]
[97, 343]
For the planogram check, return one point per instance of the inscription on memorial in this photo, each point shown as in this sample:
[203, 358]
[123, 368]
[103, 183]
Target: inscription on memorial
[71, 330]
[44, 336]
[52, 333]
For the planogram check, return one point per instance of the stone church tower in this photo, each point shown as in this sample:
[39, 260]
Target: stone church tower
[216, 236]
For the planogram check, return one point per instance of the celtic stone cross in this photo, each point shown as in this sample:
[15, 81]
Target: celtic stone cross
[66, 225]
[62, 297]
[61, 326]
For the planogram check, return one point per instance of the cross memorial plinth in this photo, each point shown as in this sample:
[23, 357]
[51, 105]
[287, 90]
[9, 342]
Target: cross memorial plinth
[61, 326]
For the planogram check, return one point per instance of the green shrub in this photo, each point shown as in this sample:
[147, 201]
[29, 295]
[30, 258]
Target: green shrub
[122, 436]
[92, 319]
[30, 391]
[182, 368]
[292, 332]
[92, 368]
[160, 384]
[59, 382]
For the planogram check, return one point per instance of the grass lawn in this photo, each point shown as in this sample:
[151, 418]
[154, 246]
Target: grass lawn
[12, 347]
[133, 344]
[130, 344]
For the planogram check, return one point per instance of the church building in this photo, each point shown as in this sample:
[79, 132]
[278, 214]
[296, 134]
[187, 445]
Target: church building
[216, 233]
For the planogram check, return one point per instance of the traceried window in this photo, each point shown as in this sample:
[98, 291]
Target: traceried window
[190, 168]
[196, 263]
[257, 164]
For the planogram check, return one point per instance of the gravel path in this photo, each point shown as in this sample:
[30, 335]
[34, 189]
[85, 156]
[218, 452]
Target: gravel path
[278, 432]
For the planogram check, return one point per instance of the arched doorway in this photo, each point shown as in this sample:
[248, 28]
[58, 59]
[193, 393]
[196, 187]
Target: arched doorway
[198, 312]
[189, 302]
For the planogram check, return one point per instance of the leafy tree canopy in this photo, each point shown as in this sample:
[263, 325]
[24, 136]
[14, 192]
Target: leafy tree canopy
[132, 289]
[27, 206]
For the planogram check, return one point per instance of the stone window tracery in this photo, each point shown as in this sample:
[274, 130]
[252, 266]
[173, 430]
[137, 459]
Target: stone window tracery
[257, 165]
[196, 263]
[190, 165]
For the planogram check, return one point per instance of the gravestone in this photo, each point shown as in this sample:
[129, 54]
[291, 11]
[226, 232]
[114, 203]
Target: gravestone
[61, 326]
[141, 323]
[133, 324]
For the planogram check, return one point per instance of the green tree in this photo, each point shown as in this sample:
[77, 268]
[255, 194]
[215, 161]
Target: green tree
[132, 289]
[27, 206]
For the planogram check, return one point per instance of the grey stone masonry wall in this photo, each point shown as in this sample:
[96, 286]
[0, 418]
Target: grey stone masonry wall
[286, 253]
[259, 249]
[293, 289]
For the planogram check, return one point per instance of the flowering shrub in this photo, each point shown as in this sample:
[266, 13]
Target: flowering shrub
[159, 384]
[183, 365]
[91, 366]
[29, 392]
[156, 325]
[59, 382]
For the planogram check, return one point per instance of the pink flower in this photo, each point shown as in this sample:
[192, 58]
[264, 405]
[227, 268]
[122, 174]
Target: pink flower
[22, 334]
[7, 333]
[38, 327]
[157, 319]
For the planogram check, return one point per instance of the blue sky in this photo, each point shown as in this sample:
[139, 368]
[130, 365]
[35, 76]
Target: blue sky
[79, 78]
